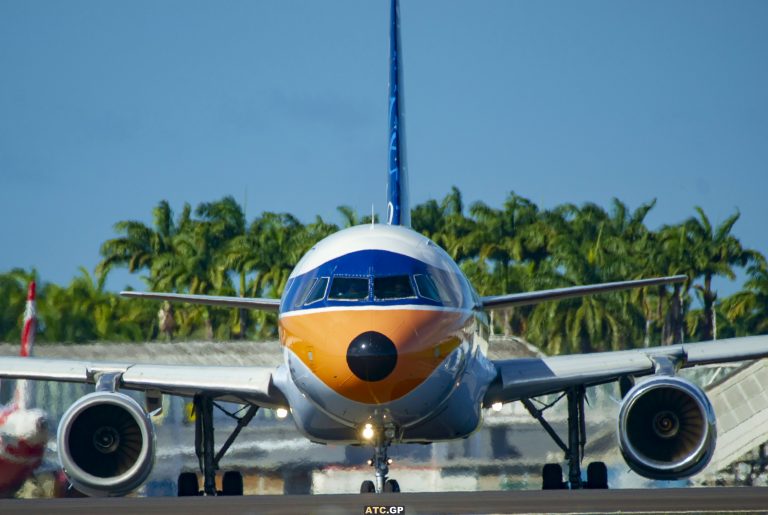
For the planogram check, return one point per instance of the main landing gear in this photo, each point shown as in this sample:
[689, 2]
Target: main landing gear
[552, 473]
[231, 481]
[380, 462]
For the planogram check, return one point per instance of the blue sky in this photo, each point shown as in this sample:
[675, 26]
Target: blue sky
[108, 107]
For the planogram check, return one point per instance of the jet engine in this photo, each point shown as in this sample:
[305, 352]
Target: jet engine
[106, 444]
[667, 428]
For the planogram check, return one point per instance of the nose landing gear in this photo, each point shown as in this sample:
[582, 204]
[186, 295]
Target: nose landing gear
[380, 462]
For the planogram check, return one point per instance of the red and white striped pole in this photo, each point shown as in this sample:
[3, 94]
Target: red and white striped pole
[30, 323]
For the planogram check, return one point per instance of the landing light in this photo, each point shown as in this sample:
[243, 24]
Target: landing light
[281, 412]
[496, 406]
[368, 431]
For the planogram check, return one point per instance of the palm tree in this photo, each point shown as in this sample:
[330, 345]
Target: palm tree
[183, 256]
[747, 310]
[241, 256]
[518, 247]
[192, 267]
[626, 249]
[139, 244]
[349, 216]
[671, 254]
[587, 247]
[270, 248]
[513, 241]
[83, 311]
[714, 252]
[13, 295]
[224, 220]
[445, 224]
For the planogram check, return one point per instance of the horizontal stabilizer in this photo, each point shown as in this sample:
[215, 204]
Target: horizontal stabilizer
[210, 300]
[535, 297]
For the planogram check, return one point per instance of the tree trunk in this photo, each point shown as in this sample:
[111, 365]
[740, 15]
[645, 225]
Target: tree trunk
[678, 301]
[648, 322]
[672, 330]
[674, 319]
[708, 328]
[208, 325]
[242, 313]
[584, 342]
[647, 336]
[667, 326]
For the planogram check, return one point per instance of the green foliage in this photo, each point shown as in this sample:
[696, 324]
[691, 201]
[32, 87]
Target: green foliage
[214, 250]
[13, 296]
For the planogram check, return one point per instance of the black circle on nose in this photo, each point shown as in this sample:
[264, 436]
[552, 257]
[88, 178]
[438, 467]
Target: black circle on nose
[371, 356]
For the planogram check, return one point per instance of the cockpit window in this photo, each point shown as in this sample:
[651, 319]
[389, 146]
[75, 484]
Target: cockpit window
[392, 287]
[302, 290]
[349, 288]
[426, 287]
[318, 290]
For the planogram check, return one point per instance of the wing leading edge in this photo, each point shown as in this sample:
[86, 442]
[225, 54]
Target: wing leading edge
[535, 297]
[254, 385]
[210, 300]
[530, 377]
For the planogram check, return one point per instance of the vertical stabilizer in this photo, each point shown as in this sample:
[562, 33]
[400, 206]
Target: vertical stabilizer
[398, 206]
[24, 392]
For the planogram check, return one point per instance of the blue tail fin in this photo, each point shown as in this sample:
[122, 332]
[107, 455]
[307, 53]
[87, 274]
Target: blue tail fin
[398, 207]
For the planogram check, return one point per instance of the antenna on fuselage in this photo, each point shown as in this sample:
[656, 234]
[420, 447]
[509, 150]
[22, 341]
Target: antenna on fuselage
[398, 206]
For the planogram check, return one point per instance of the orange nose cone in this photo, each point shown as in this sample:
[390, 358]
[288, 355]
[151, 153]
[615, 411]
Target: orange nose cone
[374, 356]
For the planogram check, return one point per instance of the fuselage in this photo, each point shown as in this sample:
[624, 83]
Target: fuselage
[380, 326]
[23, 437]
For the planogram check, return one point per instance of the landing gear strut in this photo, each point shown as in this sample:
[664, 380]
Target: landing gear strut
[597, 476]
[380, 463]
[232, 482]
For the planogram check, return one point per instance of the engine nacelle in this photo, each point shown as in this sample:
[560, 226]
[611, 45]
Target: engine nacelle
[106, 444]
[667, 428]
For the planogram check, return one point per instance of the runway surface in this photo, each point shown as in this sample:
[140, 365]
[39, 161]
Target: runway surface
[686, 500]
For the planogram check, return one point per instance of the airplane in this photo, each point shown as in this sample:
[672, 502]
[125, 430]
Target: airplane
[23, 430]
[385, 341]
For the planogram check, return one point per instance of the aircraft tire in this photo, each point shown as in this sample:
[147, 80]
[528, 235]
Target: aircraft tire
[552, 477]
[597, 475]
[232, 483]
[391, 486]
[188, 485]
[367, 487]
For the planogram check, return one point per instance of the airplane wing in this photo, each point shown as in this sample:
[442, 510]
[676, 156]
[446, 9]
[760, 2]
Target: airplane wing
[211, 300]
[247, 384]
[530, 377]
[535, 297]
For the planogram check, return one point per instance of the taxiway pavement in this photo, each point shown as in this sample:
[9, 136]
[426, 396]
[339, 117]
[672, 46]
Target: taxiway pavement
[679, 500]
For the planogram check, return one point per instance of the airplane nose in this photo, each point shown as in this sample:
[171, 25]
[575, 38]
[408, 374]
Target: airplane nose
[371, 356]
